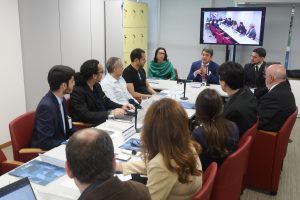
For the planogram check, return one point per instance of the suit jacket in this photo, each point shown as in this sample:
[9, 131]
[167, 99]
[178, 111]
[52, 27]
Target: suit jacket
[251, 33]
[241, 109]
[85, 107]
[162, 183]
[275, 107]
[114, 189]
[48, 129]
[211, 76]
[251, 80]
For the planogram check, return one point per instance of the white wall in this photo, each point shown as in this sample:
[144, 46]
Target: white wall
[12, 102]
[179, 34]
[66, 32]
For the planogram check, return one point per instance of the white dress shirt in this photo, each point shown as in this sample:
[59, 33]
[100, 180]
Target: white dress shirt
[115, 89]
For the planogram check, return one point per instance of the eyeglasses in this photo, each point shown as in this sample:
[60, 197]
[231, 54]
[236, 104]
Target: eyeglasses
[100, 72]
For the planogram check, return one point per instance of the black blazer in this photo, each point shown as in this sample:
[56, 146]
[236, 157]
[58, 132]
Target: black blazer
[85, 107]
[250, 79]
[275, 107]
[241, 109]
[48, 129]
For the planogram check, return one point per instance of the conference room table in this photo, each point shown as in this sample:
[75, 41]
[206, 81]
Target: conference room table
[239, 38]
[64, 188]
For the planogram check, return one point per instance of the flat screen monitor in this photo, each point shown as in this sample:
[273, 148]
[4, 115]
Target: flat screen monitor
[232, 26]
[20, 189]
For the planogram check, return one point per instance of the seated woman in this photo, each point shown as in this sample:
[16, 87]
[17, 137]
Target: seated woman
[172, 163]
[88, 101]
[160, 67]
[217, 136]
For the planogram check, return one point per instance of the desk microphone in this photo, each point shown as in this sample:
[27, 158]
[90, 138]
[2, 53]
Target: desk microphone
[184, 81]
[136, 105]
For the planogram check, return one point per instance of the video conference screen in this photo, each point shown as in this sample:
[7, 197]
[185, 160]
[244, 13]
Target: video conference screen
[232, 26]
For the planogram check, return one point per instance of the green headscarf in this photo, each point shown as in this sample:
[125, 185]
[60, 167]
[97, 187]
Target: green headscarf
[163, 70]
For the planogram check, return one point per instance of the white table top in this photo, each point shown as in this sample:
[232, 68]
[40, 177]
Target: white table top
[241, 39]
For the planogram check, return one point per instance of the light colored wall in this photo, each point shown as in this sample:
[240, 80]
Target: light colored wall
[66, 32]
[12, 102]
[180, 32]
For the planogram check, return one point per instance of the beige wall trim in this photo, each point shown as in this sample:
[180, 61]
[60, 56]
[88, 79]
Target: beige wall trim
[4, 145]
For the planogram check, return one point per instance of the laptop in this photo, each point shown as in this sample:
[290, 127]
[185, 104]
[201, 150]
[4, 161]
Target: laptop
[20, 189]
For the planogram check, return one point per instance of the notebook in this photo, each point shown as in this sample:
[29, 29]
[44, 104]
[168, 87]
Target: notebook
[20, 189]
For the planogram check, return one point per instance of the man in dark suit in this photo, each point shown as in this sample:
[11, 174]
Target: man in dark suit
[204, 68]
[89, 104]
[279, 103]
[241, 105]
[52, 124]
[93, 171]
[255, 71]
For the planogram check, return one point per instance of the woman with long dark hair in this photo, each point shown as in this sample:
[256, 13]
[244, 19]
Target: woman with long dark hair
[217, 136]
[172, 163]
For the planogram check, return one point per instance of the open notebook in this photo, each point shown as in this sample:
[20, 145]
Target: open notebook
[20, 189]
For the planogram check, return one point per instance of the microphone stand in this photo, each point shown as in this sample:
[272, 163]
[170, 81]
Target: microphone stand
[135, 117]
[184, 88]
[184, 81]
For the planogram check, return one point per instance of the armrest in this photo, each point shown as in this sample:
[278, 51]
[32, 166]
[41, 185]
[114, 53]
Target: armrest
[12, 162]
[31, 150]
[267, 132]
[81, 125]
[9, 165]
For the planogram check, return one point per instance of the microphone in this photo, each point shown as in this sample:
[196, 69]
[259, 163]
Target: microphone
[136, 105]
[184, 81]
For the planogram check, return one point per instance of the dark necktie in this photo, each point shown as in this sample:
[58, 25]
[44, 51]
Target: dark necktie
[256, 69]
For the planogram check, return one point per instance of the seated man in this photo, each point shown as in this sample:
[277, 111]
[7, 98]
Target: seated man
[279, 103]
[251, 32]
[241, 28]
[241, 106]
[135, 76]
[255, 70]
[113, 84]
[52, 125]
[88, 102]
[91, 163]
[204, 68]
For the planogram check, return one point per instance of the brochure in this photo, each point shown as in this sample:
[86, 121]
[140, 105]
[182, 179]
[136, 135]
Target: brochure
[38, 172]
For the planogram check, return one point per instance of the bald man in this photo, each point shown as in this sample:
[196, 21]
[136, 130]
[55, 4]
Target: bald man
[91, 163]
[278, 103]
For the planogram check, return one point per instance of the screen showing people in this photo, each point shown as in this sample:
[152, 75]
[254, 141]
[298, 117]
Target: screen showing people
[232, 26]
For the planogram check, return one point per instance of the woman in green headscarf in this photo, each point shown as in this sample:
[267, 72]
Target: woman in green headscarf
[160, 67]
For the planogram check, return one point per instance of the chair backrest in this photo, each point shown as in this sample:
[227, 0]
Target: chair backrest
[209, 177]
[2, 159]
[227, 41]
[21, 130]
[250, 132]
[285, 132]
[2, 156]
[176, 73]
[230, 175]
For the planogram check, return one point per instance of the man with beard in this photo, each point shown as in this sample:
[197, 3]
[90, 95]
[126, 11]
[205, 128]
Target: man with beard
[52, 124]
[135, 76]
[89, 104]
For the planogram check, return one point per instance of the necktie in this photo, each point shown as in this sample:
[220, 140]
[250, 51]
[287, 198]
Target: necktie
[256, 68]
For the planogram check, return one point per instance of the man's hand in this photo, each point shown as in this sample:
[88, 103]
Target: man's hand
[118, 112]
[127, 106]
[203, 70]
